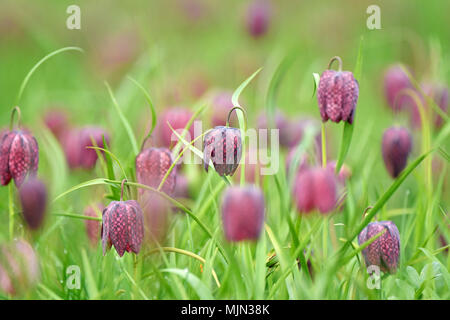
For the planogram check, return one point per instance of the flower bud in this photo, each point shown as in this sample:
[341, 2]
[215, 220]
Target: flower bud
[258, 18]
[396, 147]
[93, 226]
[223, 146]
[337, 95]
[384, 252]
[243, 213]
[178, 118]
[33, 199]
[19, 156]
[122, 227]
[152, 165]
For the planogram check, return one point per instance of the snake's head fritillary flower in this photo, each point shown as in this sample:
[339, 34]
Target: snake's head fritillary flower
[122, 227]
[315, 188]
[395, 81]
[76, 143]
[57, 121]
[337, 94]
[243, 213]
[19, 267]
[258, 17]
[384, 252]
[396, 147]
[156, 210]
[223, 146]
[178, 118]
[93, 227]
[280, 123]
[19, 156]
[152, 165]
[33, 199]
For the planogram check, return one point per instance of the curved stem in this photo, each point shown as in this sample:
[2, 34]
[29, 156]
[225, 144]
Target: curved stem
[121, 189]
[231, 111]
[15, 110]
[338, 59]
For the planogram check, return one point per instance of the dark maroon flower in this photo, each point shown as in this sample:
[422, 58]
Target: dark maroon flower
[315, 188]
[243, 213]
[152, 165]
[33, 199]
[76, 143]
[396, 147]
[337, 94]
[93, 226]
[223, 146]
[258, 18]
[57, 121]
[396, 80]
[19, 267]
[384, 252]
[19, 156]
[122, 227]
[178, 119]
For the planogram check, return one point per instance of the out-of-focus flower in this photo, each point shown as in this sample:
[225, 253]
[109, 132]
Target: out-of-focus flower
[337, 95]
[93, 227]
[76, 143]
[243, 213]
[19, 156]
[439, 94]
[221, 106]
[223, 146]
[396, 146]
[122, 227]
[396, 80]
[384, 252]
[178, 118]
[156, 210]
[259, 14]
[315, 188]
[19, 267]
[152, 165]
[280, 123]
[33, 200]
[57, 121]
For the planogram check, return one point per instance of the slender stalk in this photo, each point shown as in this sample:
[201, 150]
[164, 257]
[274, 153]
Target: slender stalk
[11, 210]
[15, 110]
[324, 147]
[338, 59]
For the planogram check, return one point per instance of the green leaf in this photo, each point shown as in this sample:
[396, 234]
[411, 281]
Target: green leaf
[91, 286]
[40, 62]
[316, 77]
[347, 134]
[124, 120]
[203, 292]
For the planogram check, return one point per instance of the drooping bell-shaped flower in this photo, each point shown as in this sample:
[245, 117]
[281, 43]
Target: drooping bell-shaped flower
[19, 156]
[122, 226]
[396, 81]
[243, 213]
[33, 200]
[223, 146]
[178, 118]
[337, 94]
[396, 146]
[152, 165]
[258, 17]
[57, 121]
[438, 93]
[384, 252]
[315, 188]
[77, 142]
